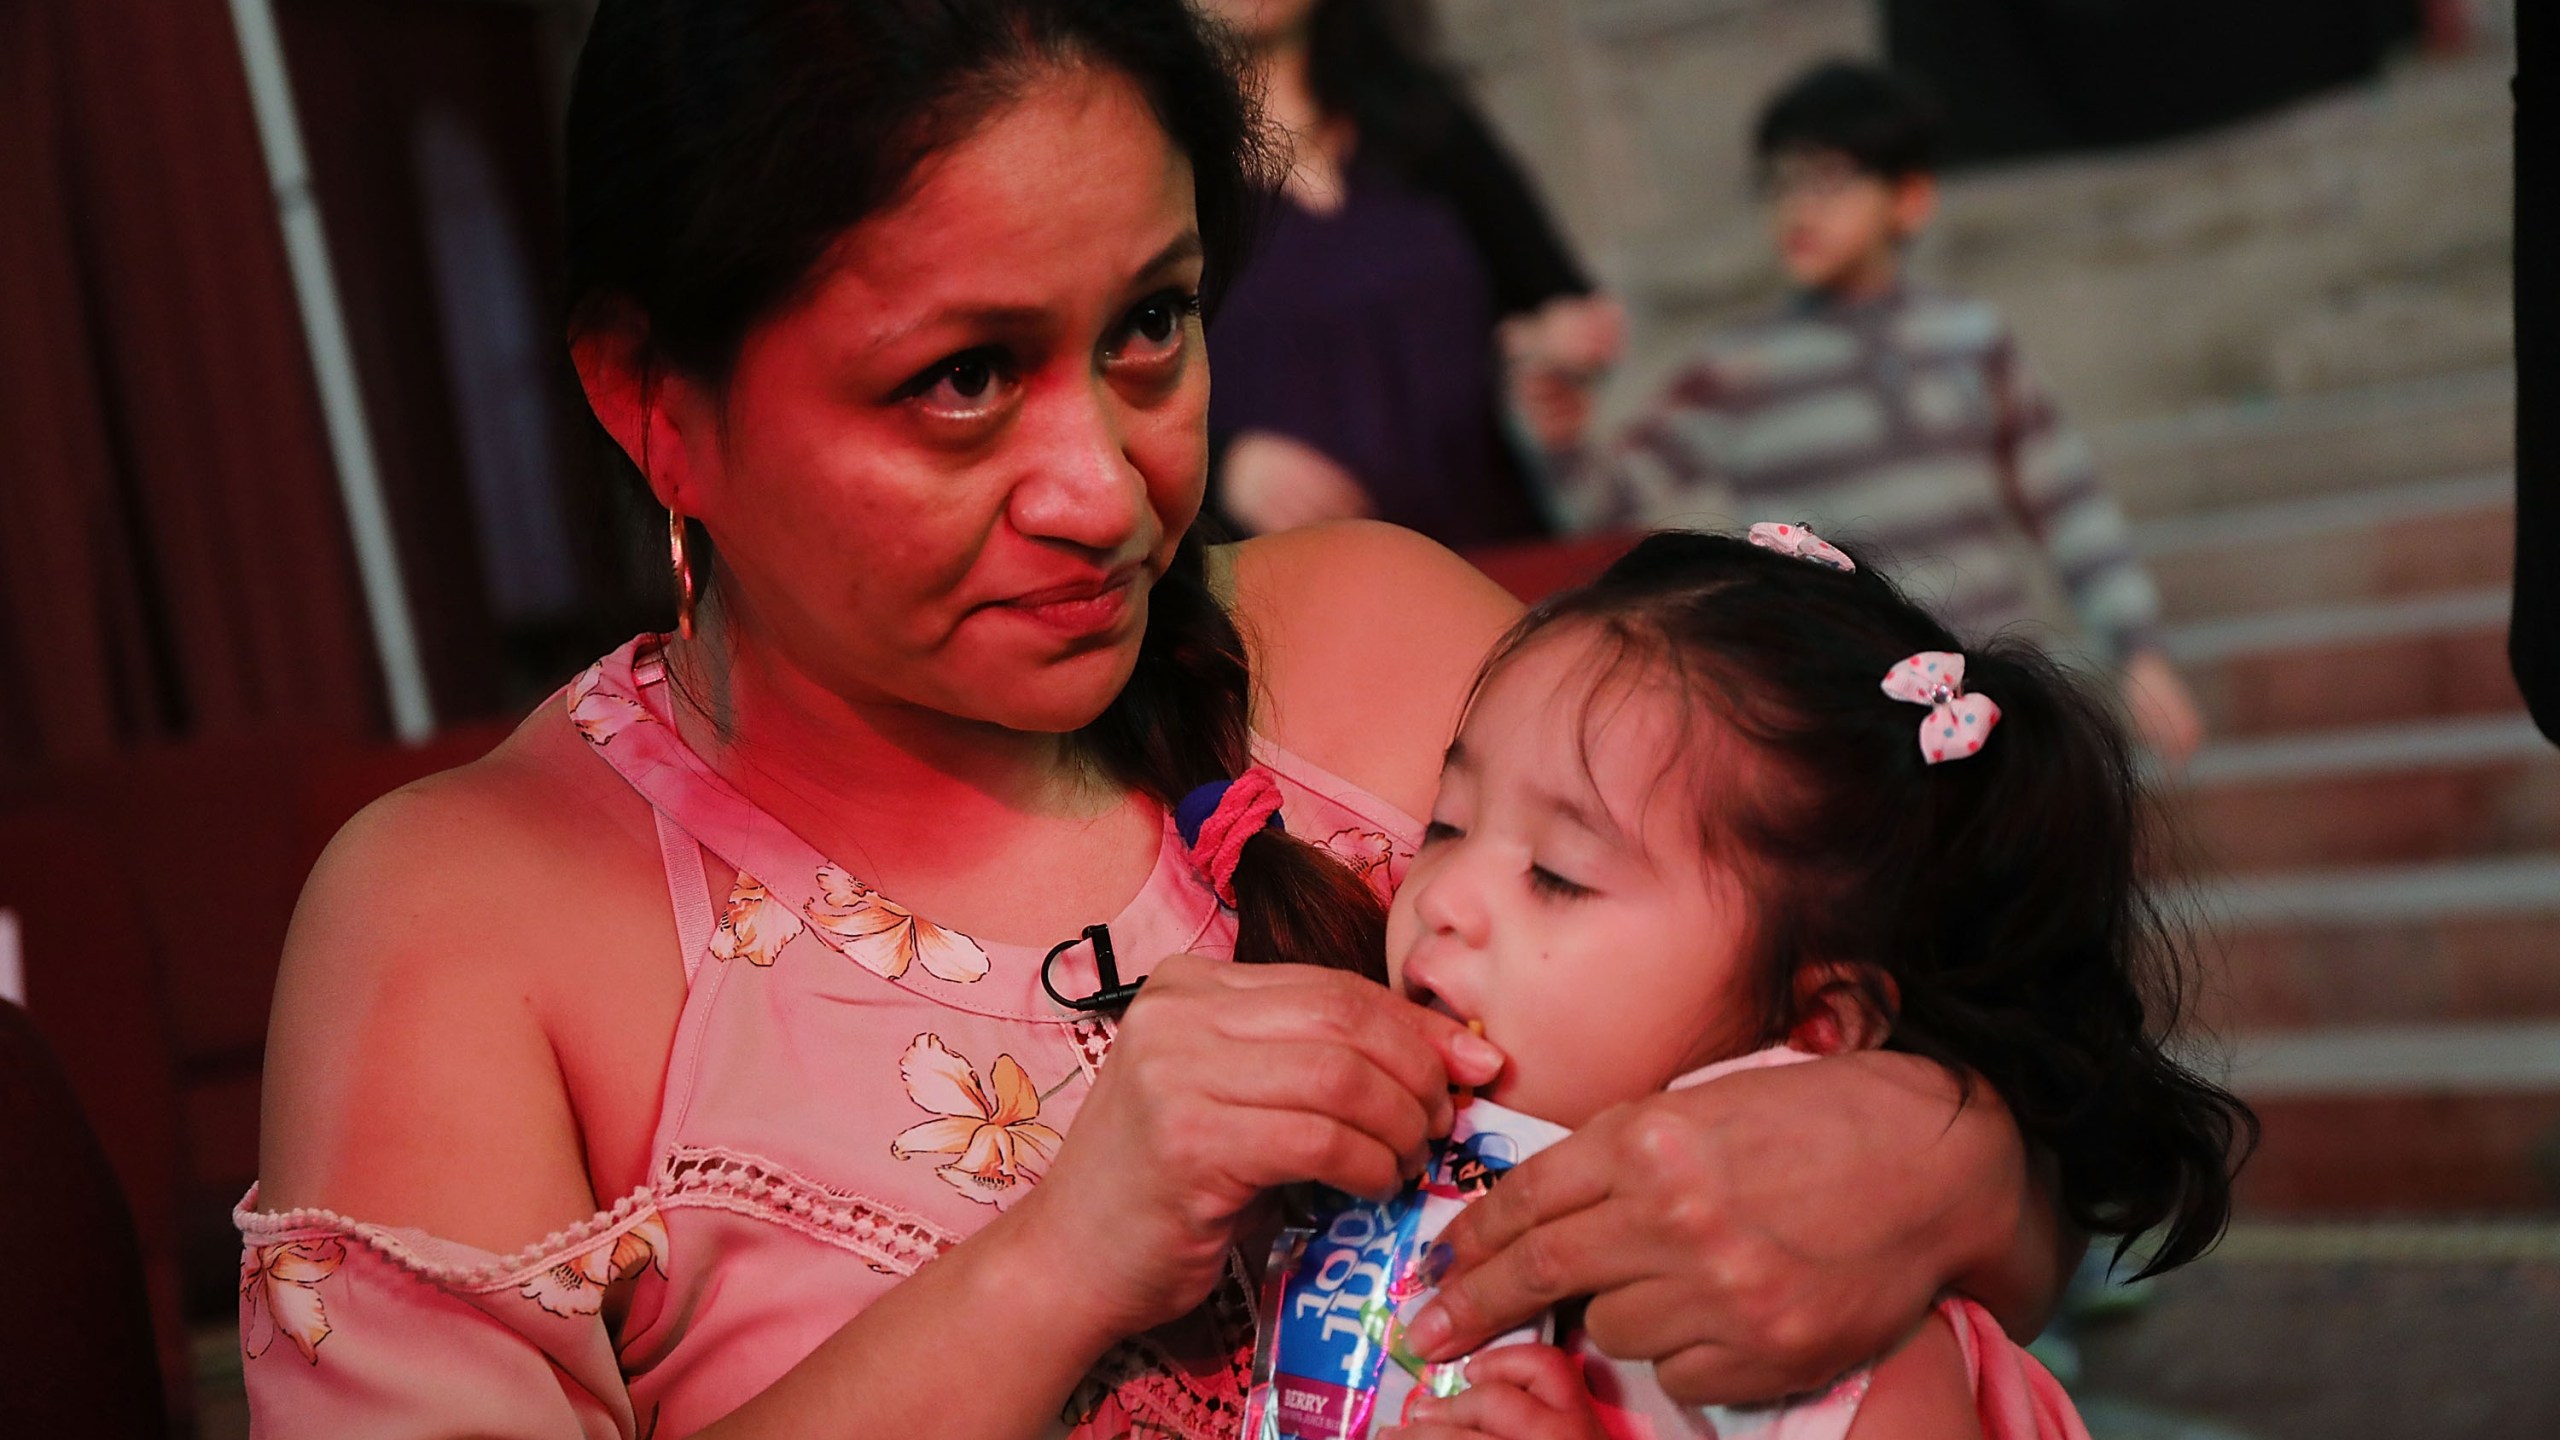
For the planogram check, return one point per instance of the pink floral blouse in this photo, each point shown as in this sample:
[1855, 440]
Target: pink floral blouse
[853, 1089]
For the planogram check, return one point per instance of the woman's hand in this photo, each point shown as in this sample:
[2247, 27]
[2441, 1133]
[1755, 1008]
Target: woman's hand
[1760, 1235]
[1519, 1392]
[1270, 483]
[1225, 1081]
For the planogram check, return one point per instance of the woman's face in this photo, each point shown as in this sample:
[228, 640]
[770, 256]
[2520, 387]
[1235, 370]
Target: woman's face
[947, 476]
[1563, 895]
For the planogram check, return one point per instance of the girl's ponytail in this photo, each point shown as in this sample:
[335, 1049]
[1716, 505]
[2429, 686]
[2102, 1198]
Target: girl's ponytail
[2058, 981]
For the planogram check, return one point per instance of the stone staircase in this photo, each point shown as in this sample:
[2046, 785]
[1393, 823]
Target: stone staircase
[2375, 829]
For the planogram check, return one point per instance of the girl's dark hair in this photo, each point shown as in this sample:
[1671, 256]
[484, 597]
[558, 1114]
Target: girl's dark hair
[1993, 903]
[1876, 117]
[717, 149]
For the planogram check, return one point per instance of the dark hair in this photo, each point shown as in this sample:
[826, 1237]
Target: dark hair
[718, 148]
[1993, 903]
[1877, 118]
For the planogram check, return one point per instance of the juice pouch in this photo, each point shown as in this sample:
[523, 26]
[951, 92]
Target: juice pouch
[1329, 1361]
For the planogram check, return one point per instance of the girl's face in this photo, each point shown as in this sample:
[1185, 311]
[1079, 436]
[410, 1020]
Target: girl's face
[1564, 895]
[948, 475]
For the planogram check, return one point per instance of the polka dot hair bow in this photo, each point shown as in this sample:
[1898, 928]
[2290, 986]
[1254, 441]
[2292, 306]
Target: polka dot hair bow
[1801, 543]
[1958, 723]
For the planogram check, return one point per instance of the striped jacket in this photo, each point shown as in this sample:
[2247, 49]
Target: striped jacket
[1907, 423]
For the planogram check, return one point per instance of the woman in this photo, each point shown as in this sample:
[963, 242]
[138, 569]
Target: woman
[891, 304]
[1359, 363]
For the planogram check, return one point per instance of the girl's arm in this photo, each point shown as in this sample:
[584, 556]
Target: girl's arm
[1758, 1236]
[1921, 1391]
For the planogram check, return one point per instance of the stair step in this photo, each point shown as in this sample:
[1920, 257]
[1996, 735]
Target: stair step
[2399, 1061]
[2435, 791]
[2474, 940]
[2372, 1154]
[2324, 972]
[2384, 895]
[2405, 541]
[2377, 749]
[2256, 694]
[2490, 808]
[2403, 1119]
[2456, 610]
[2286, 522]
[2234, 457]
[2371, 682]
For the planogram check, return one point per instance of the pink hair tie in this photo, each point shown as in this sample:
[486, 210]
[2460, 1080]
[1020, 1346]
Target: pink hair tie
[1218, 818]
[1957, 723]
[1802, 543]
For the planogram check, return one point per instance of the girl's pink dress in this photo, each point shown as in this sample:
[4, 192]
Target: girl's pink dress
[852, 1091]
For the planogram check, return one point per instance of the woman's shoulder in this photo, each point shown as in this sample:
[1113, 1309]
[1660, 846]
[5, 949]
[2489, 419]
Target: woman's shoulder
[418, 1069]
[535, 813]
[1365, 639]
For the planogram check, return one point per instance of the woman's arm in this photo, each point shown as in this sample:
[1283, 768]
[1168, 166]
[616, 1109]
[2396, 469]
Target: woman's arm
[1365, 639]
[1758, 1236]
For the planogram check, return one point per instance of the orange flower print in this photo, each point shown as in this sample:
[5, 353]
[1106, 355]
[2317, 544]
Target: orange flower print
[280, 1294]
[576, 1286]
[885, 938]
[600, 716]
[994, 1129]
[753, 925]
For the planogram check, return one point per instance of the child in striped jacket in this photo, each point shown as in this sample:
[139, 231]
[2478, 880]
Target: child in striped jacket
[1867, 407]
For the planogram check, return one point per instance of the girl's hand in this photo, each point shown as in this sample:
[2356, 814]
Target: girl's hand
[1519, 1392]
[1225, 1081]
[1760, 1235]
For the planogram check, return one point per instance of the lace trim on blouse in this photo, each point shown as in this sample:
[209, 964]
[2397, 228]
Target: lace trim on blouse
[448, 1264]
[888, 1239]
[1187, 1378]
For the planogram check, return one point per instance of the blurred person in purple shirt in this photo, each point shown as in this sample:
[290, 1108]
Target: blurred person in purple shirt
[1360, 354]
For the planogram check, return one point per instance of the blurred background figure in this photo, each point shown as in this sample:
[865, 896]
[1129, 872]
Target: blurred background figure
[1359, 358]
[1869, 408]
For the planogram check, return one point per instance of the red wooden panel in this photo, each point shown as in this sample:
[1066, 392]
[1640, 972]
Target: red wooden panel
[1537, 570]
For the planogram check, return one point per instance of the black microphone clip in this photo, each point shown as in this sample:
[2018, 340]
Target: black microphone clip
[1109, 994]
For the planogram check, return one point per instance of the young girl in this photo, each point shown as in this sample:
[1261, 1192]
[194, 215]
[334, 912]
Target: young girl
[1742, 803]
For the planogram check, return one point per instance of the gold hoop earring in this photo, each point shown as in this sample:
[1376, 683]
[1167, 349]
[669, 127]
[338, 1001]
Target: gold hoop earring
[683, 565]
